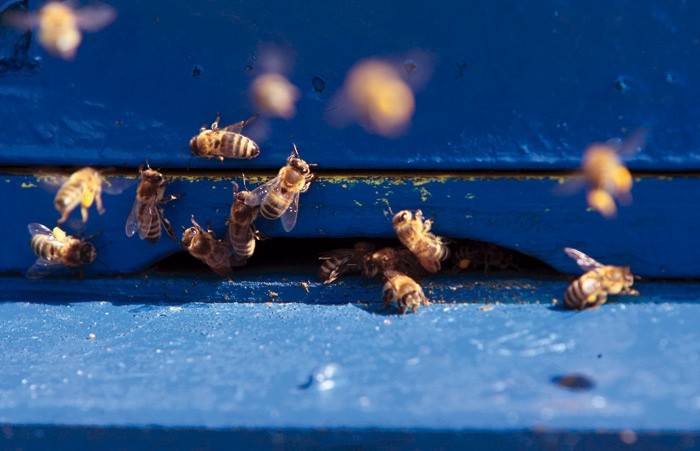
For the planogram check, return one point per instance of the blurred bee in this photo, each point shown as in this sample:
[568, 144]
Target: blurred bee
[146, 215]
[414, 232]
[339, 262]
[607, 177]
[227, 142]
[204, 246]
[56, 250]
[274, 95]
[404, 291]
[279, 197]
[591, 290]
[478, 255]
[386, 259]
[241, 231]
[82, 188]
[60, 24]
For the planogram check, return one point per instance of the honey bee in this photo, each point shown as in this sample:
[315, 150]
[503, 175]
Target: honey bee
[607, 177]
[414, 232]
[206, 247]
[279, 197]
[227, 142]
[389, 258]
[478, 255]
[241, 231]
[60, 25]
[82, 188]
[339, 262]
[146, 215]
[56, 250]
[404, 291]
[274, 95]
[591, 290]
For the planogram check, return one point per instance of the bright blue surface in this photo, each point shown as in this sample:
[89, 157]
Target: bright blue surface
[655, 235]
[473, 365]
[513, 85]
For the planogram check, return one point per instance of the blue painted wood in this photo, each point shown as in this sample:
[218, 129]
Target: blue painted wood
[471, 364]
[654, 235]
[511, 86]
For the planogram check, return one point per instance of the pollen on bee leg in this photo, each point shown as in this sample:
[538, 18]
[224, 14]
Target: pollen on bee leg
[601, 201]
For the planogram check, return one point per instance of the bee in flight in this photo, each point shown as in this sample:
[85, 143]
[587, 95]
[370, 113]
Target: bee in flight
[391, 259]
[146, 215]
[227, 142]
[607, 177]
[591, 290]
[60, 25]
[82, 188]
[241, 231]
[404, 291]
[339, 262]
[206, 247]
[57, 250]
[414, 232]
[279, 197]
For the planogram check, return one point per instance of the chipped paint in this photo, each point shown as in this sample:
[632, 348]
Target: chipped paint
[28, 185]
[470, 196]
[359, 204]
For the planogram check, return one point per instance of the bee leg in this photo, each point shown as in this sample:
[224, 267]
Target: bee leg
[242, 124]
[63, 217]
[84, 214]
[98, 202]
[220, 158]
[168, 227]
[215, 124]
[171, 197]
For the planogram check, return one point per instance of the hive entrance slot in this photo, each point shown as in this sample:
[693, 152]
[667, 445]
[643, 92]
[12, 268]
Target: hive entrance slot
[297, 254]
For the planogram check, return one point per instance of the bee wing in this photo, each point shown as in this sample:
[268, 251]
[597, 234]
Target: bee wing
[39, 229]
[258, 194]
[570, 185]
[22, 21]
[95, 17]
[582, 260]
[633, 143]
[115, 185]
[51, 182]
[43, 267]
[132, 221]
[289, 217]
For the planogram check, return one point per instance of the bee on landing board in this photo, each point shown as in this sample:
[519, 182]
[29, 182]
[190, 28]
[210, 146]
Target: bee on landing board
[279, 197]
[404, 291]
[204, 245]
[591, 290]
[607, 177]
[82, 188]
[414, 232]
[387, 259]
[146, 215]
[57, 250]
[60, 25]
[339, 262]
[227, 142]
[241, 231]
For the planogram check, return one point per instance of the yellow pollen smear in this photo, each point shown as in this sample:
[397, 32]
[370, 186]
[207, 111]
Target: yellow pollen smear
[59, 234]
[88, 197]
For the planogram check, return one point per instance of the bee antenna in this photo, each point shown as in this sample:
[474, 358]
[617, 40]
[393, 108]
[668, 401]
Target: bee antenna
[194, 223]
[296, 151]
[189, 163]
[97, 260]
[235, 186]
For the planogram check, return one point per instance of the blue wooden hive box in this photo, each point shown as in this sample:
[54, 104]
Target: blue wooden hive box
[147, 347]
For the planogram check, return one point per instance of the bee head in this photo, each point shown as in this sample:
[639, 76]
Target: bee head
[188, 235]
[152, 176]
[88, 253]
[401, 217]
[299, 165]
[193, 146]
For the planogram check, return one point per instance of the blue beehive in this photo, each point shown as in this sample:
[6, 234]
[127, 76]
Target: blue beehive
[507, 98]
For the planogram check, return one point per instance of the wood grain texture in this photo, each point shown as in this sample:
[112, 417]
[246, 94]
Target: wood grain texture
[510, 86]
